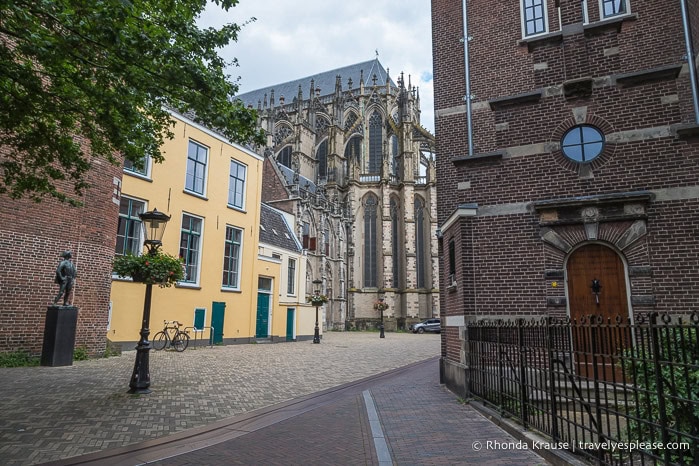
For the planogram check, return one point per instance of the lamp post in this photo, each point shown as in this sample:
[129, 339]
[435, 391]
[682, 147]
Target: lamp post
[381, 334]
[316, 303]
[153, 229]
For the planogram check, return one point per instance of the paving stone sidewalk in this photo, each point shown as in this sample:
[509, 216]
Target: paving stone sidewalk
[50, 413]
[421, 422]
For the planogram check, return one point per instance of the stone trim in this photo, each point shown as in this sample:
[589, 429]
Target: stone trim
[661, 73]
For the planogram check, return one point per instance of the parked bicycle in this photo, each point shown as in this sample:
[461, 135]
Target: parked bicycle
[171, 336]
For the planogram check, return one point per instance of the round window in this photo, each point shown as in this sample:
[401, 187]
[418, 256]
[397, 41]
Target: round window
[582, 143]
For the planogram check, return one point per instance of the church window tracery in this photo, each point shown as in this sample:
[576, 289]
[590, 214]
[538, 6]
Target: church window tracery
[375, 143]
[370, 242]
[420, 242]
[284, 156]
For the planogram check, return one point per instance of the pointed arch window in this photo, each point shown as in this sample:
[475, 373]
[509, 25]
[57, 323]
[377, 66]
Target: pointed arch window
[375, 143]
[370, 242]
[322, 158]
[395, 242]
[420, 265]
[284, 156]
[353, 148]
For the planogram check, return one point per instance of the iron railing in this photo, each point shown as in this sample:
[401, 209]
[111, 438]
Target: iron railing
[614, 391]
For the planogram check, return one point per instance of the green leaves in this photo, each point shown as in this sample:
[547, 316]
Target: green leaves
[105, 71]
[155, 269]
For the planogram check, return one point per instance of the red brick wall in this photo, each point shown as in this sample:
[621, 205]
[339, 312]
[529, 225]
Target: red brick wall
[501, 258]
[32, 236]
[273, 188]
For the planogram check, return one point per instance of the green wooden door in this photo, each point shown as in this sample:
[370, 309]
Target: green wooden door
[218, 311]
[262, 329]
[290, 314]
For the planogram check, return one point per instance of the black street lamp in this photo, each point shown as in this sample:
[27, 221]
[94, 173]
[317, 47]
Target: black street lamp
[153, 229]
[317, 303]
[381, 306]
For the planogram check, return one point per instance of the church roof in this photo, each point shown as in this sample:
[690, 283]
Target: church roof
[324, 81]
[304, 183]
[275, 231]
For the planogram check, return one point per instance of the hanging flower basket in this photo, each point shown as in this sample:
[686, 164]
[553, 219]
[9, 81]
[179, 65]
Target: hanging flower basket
[317, 299]
[159, 269]
[380, 306]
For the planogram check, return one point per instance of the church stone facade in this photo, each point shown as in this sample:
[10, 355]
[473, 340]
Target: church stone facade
[347, 156]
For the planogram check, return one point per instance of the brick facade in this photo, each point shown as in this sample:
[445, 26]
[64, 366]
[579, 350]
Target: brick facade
[518, 208]
[32, 236]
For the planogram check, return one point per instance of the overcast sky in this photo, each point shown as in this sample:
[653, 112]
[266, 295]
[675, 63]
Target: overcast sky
[293, 39]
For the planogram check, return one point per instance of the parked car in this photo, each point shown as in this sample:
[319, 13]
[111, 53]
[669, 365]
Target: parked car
[428, 325]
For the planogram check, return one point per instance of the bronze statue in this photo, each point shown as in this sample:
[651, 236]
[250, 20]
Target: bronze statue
[65, 276]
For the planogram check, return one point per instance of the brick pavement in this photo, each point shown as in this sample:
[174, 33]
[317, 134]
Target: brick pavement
[422, 422]
[49, 413]
[279, 417]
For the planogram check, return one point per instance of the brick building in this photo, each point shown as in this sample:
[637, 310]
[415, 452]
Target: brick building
[32, 237]
[574, 161]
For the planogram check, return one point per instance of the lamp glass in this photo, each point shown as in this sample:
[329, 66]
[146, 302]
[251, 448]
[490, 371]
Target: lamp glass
[154, 223]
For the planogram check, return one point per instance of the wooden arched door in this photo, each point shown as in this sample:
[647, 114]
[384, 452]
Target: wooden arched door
[596, 344]
[596, 262]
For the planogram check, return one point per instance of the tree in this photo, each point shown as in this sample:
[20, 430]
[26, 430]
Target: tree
[106, 72]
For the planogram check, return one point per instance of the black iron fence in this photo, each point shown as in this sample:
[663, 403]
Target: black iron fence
[615, 391]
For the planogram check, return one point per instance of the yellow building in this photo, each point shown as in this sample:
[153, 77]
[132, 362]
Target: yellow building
[211, 188]
[280, 250]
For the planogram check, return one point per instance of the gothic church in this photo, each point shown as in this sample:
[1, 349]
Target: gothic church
[347, 156]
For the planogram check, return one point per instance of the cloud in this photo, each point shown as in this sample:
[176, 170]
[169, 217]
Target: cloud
[292, 39]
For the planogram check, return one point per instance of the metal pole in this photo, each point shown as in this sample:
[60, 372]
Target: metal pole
[140, 379]
[316, 333]
[467, 76]
[381, 335]
[690, 59]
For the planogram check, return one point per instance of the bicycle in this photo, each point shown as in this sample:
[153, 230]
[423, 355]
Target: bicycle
[179, 340]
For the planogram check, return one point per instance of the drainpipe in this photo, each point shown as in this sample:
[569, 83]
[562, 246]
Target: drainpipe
[467, 66]
[690, 58]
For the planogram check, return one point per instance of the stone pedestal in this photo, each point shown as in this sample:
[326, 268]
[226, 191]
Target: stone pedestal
[59, 336]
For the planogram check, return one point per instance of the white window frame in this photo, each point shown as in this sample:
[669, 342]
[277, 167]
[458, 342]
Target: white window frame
[240, 258]
[291, 279]
[522, 10]
[140, 230]
[196, 281]
[147, 165]
[230, 184]
[603, 16]
[206, 169]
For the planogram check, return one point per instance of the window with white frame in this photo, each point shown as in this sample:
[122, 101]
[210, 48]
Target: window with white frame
[197, 158]
[291, 279]
[129, 226]
[190, 247]
[143, 168]
[231, 257]
[534, 17]
[609, 8]
[236, 185]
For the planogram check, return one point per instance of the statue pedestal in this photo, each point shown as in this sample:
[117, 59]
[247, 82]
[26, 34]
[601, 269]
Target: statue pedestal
[59, 336]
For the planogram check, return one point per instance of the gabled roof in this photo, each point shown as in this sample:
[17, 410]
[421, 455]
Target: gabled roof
[275, 231]
[325, 81]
